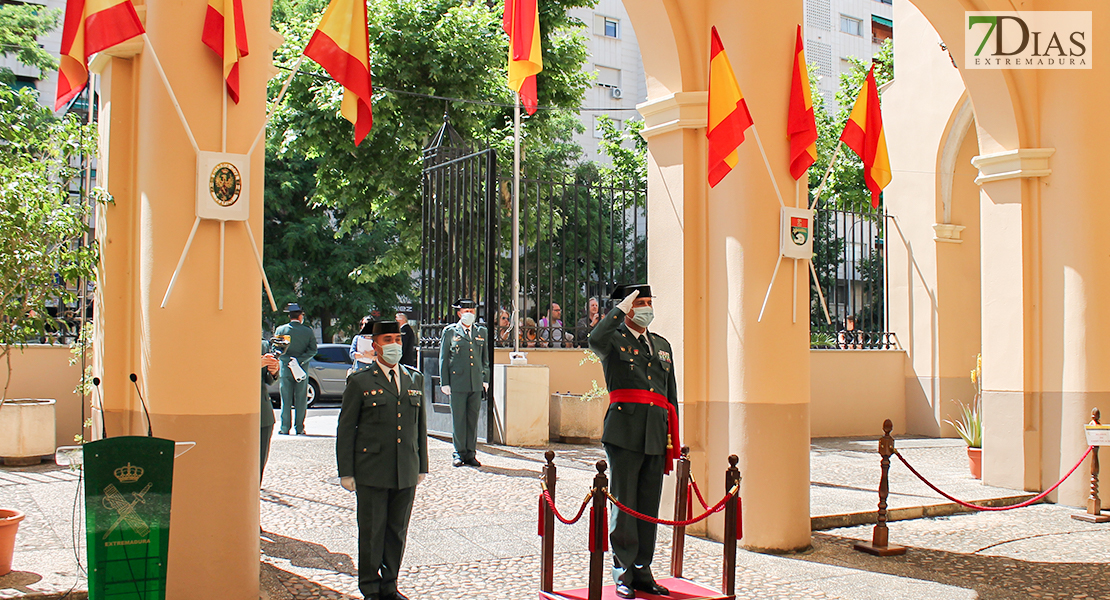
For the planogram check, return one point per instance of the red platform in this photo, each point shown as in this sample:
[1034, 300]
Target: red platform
[681, 589]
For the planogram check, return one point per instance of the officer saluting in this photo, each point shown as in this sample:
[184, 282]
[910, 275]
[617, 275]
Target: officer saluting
[641, 430]
[464, 375]
[381, 446]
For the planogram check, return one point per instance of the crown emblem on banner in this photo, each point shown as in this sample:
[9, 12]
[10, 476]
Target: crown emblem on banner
[128, 474]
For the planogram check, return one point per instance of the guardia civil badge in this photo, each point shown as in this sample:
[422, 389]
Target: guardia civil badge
[223, 186]
[796, 240]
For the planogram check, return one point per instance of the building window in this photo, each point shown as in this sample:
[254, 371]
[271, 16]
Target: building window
[886, 1]
[608, 76]
[881, 29]
[612, 28]
[851, 26]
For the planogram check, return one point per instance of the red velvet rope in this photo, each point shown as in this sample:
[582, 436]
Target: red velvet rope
[697, 492]
[716, 508]
[551, 502]
[1032, 500]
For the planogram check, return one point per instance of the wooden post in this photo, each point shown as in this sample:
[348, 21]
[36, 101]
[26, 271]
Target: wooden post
[681, 501]
[732, 516]
[600, 528]
[1094, 505]
[879, 545]
[547, 541]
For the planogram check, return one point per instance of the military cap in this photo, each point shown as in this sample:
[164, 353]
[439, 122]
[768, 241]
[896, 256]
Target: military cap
[464, 303]
[381, 327]
[621, 291]
[293, 307]
[368, 328]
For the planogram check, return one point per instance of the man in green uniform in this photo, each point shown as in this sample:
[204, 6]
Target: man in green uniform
[270, 367]
[302, 346]
[641, 430]
[464, 376]
[381, 446]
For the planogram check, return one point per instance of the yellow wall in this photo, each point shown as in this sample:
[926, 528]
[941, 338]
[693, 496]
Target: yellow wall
[42, 371]
[852, 392]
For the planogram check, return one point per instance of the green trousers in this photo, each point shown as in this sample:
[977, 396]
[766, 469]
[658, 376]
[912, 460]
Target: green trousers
[464, 423]
[383, 526]
[294, 395]
[636, 481]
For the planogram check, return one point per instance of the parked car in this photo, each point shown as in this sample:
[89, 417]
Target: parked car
[327, 374]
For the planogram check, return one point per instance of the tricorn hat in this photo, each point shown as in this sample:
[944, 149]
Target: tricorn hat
[381, 327]
[464, 303]
[621, 291]
[368, 328]
[293, 307]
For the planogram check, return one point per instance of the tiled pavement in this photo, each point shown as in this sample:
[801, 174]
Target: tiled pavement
[473, 533]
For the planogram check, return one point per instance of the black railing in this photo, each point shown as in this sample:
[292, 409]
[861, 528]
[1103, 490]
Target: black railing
[849, 255]
[580, 236]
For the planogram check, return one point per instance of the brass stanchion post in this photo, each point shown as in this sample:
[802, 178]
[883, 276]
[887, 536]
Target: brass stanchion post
[879, 545]
[1094, 504]
[681, 502]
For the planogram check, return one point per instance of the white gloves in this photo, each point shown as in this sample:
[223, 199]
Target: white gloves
[348, 483]
[446, 389]
[485, 386]
[626, 304]
[420, 478]
[296, 370]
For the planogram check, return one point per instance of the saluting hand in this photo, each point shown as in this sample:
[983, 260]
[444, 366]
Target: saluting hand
[626, 304]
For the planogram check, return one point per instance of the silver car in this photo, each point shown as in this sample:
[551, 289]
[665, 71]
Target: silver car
[327, 374]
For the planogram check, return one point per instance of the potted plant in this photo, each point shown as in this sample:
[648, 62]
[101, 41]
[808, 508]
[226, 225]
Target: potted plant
[577, 419]
[970, 424]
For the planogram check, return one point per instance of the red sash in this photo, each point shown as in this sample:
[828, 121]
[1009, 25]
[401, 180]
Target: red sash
[633, 396]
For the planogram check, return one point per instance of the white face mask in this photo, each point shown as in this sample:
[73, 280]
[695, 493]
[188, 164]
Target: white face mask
[391, 353]
[643, 315]
[469, 318]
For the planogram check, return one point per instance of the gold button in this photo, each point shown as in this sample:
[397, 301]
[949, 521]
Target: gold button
[398, 428]
[618, 408]
[649, 376]
[373, 404]
[398, 440]
[398, 415]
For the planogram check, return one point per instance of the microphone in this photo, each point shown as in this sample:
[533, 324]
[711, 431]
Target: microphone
[100, 403]
[134, 381]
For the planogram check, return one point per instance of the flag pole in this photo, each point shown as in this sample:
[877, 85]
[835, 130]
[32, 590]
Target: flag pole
[173, 97]
[794, 281]
[515, 286]
[767, 163]
[825, 177]
[769, 286]
[223, 136]
[277, 102]
[222, 226]
[820, 295]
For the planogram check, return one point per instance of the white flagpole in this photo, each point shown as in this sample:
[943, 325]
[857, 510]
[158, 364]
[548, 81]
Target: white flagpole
[180, 262]
[820, 295]
[769, 286]
[825, 177]
[516, 226]
[794, 281]
[173, 98]
[277, 103]
[223, 136]
[258, 259]
[222, 224]
[767, 163]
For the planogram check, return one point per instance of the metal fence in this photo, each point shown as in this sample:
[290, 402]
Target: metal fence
[849, 254]
[580, 236]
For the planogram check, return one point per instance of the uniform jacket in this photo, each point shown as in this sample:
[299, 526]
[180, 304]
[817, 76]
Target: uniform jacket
[464, 361]
[266, 410]
[628, 365]
[302, 344]
[382, 438]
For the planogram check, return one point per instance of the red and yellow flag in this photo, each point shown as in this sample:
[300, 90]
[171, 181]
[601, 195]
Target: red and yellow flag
[225, 32]
[728, 113]
[91, 26]
[341, 45]
[863, 133]
[522, 23]
[801, 125]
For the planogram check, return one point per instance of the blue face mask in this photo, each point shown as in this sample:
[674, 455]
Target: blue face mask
[391, 353]
[643, 315]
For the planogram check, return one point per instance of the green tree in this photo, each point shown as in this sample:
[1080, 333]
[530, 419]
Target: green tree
[421, 50]
[20, 27]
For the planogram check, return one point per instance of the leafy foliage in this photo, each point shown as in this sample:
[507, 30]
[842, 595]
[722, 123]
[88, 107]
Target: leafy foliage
[41, 222]
[20, 26]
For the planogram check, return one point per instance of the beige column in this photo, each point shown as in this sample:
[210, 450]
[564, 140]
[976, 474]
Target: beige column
[197, 365]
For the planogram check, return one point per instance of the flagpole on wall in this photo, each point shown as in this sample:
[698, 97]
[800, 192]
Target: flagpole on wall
[825, 177]
[766, 162]
[515, 286]
[169, 90]
[277, 102]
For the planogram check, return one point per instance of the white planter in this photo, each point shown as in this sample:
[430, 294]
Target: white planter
[26, 430]
[575, 421]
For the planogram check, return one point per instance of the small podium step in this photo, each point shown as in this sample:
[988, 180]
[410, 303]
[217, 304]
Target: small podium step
[681, 589]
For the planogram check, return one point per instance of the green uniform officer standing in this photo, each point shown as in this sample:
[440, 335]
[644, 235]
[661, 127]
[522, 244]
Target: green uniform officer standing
[302, 346]
[640, 434]
[381, 446]
[464, 376]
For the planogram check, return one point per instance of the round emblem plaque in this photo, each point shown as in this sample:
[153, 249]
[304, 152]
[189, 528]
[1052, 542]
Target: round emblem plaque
[225, 183]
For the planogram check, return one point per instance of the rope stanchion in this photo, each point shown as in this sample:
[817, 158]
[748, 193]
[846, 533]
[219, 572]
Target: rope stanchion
[547, 524]
[879, 545]
[546, 496]
[599, 530]
[1094, 503]
[641, 516]
[1033, 500]
[732, 523]
[697, 492]
[682, 507]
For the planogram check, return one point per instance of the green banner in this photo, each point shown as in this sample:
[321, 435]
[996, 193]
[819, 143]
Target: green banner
[128, 481]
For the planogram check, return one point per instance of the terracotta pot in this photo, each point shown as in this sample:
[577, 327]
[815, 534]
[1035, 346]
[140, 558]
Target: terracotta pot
[975, 462]
[9, 524]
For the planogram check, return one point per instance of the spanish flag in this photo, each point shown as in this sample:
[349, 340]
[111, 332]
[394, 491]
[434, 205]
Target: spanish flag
[801, 125]
[863, 133]
[522, 23]
[225, 32]
[728, 113]
[91, 26]
[341, 45]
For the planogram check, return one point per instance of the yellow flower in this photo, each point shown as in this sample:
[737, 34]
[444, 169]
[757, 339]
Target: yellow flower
[973, 377]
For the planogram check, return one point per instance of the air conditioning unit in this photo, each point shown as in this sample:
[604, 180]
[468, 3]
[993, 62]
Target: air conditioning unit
[615, 92]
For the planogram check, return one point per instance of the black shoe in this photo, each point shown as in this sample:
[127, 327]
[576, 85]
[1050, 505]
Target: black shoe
[652, 588]
[624, 591]
[458, 462]
[301, 433]
[394, 596]
[283, 433]
[473, 462]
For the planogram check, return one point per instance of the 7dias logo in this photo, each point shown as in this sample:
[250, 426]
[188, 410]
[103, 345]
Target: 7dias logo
[1028, 40]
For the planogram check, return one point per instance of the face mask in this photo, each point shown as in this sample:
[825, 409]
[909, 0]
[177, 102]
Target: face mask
[391, 353]
[469, 318]
[643, 315]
